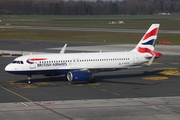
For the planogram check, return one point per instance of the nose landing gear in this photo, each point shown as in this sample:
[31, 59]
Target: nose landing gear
[29, 79]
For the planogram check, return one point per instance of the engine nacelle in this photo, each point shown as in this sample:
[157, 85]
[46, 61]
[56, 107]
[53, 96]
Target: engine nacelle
[79, 76]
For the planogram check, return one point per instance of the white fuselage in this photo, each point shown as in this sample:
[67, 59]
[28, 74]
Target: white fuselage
[81, 66]
[72, 61]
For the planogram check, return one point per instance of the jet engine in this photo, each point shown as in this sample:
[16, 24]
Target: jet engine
[79, 76]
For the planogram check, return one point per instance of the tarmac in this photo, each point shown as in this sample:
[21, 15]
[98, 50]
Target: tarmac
[147, 93]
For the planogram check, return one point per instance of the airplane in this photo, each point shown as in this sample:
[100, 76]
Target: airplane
[83, 66]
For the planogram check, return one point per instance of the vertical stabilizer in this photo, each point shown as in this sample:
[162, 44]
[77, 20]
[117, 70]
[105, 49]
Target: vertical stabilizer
[147, 43]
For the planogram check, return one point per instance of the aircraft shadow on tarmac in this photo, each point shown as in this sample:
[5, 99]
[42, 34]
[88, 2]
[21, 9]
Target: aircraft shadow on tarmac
[60, 78]
[121, 78]
[102, 78]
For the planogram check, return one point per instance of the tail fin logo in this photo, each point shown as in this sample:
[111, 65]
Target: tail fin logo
[151, 33]
[147, 43]
[151, 42]
[145, 50]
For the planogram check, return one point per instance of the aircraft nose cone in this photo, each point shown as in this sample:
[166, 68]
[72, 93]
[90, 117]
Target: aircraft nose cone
[11, 68]
[8, 68]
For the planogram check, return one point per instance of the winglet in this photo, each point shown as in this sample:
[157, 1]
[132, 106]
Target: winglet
[63, 49]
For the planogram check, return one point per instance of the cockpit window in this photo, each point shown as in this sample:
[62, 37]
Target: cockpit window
[14, 61]
[17, 62]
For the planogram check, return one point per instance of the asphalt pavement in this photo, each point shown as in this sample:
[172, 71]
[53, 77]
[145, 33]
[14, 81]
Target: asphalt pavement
[147, 93]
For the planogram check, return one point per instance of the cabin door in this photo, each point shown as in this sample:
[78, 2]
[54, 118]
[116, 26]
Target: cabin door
[135, 57]
[33, 65]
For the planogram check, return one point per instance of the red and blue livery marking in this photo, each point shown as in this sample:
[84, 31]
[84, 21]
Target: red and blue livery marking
[148, 39]
[151, 42]
[151, 33]
[32, 60]
[145, 50]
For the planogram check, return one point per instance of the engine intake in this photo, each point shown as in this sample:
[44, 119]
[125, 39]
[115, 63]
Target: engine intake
[79, 76]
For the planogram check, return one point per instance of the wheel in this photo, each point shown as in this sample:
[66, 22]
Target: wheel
[29, 82]
[29, 79]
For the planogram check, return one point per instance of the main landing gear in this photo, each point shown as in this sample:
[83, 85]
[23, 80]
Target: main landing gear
[29, 79]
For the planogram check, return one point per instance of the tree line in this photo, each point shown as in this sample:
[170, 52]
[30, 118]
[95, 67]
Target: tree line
[99, 7]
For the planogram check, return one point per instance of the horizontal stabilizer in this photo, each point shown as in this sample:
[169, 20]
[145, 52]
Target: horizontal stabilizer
[157, 54]
[151, 60]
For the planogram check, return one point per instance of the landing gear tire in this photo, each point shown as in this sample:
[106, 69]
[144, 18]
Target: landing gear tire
[29, 79]
[29, 82]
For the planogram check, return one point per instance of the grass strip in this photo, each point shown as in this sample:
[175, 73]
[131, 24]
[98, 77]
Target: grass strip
[171, 22]
[79, 36]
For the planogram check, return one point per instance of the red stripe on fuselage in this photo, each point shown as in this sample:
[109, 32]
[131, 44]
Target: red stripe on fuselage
[37, 59]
